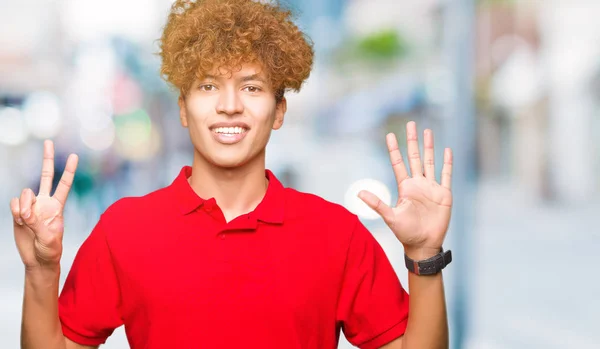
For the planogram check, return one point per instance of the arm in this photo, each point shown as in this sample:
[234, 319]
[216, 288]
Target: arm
[419, 220]
[427, 323]
[38, 231]
[40, 326]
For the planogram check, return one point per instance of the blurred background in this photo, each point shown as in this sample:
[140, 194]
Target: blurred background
[512, 86]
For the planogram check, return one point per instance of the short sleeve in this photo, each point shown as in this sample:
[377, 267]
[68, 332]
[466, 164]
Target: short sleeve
[373, 305]
[89, 302]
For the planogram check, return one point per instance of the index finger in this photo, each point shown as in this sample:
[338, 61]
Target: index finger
[47, 169]
[66, 180]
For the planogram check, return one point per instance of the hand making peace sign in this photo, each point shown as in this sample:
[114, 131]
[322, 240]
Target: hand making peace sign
[421, 216]
[38, 220]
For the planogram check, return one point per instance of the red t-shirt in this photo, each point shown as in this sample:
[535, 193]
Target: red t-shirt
[290, 274]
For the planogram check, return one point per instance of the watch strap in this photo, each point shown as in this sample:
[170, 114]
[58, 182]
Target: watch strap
[429, 266]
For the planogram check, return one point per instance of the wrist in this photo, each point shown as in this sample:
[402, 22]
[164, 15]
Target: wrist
[427, 261]
[419, 253]
[42, 274]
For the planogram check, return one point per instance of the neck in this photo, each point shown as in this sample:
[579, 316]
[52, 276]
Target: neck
[237, 190]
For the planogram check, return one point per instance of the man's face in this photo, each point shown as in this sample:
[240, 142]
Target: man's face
[230, 117]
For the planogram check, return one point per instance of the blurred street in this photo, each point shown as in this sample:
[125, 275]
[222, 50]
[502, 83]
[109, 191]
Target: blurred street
[534, 273]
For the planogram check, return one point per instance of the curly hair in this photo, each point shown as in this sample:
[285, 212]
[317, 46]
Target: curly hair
[204, 35]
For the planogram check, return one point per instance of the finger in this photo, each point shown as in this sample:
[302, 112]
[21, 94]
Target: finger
[47, 169]
[428, 156]
[376, 204]
[16, 212]
[396, 158]
[66, 180]
[26, 207]
[447, 169]
[414, 158]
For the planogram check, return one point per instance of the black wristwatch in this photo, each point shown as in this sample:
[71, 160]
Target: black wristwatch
[430, 266]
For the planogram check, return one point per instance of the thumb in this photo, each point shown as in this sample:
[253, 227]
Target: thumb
[376, 205]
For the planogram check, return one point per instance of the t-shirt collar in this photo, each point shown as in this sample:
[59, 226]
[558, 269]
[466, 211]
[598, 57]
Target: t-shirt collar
[269, 210]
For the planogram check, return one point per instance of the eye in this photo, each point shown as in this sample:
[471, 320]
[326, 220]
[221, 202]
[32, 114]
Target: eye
[252, 89]
[208, 87]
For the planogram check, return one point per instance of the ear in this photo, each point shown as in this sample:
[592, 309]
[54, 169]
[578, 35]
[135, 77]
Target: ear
[280, 110]
[182, 111]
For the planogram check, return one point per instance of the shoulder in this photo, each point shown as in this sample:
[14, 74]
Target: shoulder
[133, 208]
[313, 208]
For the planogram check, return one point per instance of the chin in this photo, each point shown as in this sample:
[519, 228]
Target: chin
[227, 162]
[230, 165]
[227, 157]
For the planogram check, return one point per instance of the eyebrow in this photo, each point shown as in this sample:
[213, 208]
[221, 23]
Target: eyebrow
[253, 77]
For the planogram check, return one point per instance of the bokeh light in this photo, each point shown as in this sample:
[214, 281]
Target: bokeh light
[13, 130]
[355, 205]
[42, 114]
[98, 139]
[95, 119]
[137, 139]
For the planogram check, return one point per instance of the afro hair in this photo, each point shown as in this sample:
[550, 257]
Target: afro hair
[203, 35]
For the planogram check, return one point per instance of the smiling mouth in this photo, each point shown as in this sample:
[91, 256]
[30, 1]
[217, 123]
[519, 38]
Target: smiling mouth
[229, 131]
[229, 134]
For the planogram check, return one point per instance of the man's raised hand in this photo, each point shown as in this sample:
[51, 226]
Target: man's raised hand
[38, 220]
[421, 216]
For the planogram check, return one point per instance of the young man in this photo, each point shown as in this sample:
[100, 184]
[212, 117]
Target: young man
[226, 257]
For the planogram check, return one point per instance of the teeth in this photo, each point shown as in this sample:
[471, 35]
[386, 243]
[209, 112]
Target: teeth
[230, 130]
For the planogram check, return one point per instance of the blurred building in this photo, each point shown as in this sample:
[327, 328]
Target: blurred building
[537, 101]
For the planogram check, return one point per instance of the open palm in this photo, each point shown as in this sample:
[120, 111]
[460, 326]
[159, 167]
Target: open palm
[38, 220]
[421, 216]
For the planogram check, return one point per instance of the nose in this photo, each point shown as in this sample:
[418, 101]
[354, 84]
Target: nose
[229, 103]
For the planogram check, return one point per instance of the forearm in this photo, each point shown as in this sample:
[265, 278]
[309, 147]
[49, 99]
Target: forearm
[40, 326]
[427, 321]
